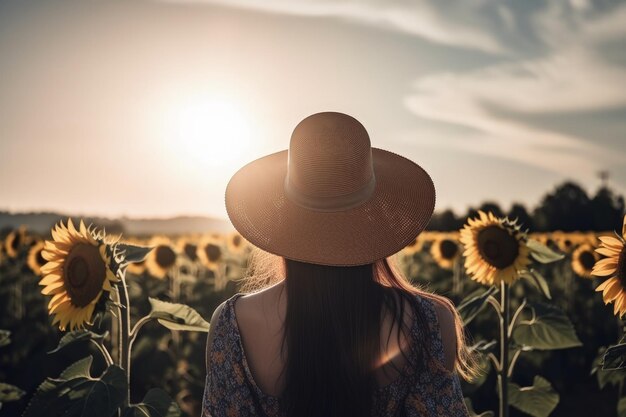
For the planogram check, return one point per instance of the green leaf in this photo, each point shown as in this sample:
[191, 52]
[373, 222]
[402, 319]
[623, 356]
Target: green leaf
[538, 400]
[472, 413]
[78, 336]
[78, 369]
[614, 357]
[156, 403]
[621, 407]
[538, 281]
[10, 392]
[132, 253]
[549, 328]
[177, 316]
[5, 337]
[80, 395]
[471, 305]
[614, 377]
[542, 253]
[99, 397]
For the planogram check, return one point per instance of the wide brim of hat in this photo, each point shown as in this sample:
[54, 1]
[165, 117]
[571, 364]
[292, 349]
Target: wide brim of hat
[398, 210]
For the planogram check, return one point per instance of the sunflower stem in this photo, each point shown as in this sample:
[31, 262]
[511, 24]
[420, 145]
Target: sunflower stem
[456, 276]
[503, 375]
[124, 318]
[137, 326]
[496, 306]
[495, 361]
[515, 316]
[105, 353]
[513, 361]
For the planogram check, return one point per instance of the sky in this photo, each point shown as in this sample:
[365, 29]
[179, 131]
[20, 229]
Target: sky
[146, 109]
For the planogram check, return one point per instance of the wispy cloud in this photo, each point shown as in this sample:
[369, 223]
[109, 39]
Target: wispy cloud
[570, 77]
[420, 18]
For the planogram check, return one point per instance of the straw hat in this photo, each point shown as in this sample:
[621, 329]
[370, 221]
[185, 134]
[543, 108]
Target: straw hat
[331, 199]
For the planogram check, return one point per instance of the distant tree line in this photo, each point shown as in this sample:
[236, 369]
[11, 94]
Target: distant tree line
[567, 208]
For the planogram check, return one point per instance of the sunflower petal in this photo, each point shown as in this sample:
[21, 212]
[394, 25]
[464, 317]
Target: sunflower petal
[606, 284]
[50, 267]
[612, 242]
[50, 278]
[607, 251]
[53, 288]
[604, 267]
[71, 228]
[82, 228]
[612, 292]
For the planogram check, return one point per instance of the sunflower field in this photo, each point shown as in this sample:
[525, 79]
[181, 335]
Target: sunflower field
[97, 324]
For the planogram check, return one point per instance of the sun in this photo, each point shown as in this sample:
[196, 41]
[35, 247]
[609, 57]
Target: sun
[213, 131]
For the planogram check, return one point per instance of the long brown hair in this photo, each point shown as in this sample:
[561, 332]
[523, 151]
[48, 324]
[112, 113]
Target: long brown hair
[332, 331]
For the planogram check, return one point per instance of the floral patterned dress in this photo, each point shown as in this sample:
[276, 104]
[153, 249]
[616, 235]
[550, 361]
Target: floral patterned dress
[230, 389]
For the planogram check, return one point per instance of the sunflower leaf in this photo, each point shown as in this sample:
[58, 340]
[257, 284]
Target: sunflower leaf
[5, 337]
[538, 400]
[156, 403]
[473, 304]
[78, 336]
[538, 281]
[472, 413]
[614, 357]
[78, 369]
[549, 328]
[132, 253]
[177, 316]
[542, 253]
[80, 395]
[10, 392]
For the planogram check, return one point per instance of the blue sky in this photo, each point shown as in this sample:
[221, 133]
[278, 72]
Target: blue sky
[497, 100]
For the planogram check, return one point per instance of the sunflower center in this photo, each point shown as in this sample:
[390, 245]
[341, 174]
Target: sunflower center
[190, 251]
[165, 256]
[83, 274]
[497, 246]
[213, 252]
[587, 260]
[16, 242]
[621, 267]
[449, 249]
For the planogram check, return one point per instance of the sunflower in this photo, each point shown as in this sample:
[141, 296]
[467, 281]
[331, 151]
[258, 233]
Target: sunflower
[445, 250]
[495, 249]
[210, 252]
[35, 259]
[564, 241]
[614, 265]
[162, 258]
[583, 260]
[14, 242]
[415, 245]
[235, 243]
[76, 274]
[188, 248]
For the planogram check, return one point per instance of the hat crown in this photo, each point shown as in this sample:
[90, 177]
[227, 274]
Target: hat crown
[330, 156]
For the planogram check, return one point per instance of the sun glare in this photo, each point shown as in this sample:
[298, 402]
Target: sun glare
[213, 131]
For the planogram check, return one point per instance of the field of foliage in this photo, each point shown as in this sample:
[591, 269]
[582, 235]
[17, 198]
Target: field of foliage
[98, 322]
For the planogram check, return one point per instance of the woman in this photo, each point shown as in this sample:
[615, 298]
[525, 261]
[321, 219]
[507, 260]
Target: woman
[337, 330]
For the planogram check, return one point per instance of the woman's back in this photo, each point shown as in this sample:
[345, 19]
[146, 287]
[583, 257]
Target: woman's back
[245, 363]
[260, 318]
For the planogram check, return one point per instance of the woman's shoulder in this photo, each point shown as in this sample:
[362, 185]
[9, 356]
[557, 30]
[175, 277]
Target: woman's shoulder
[444, 322]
